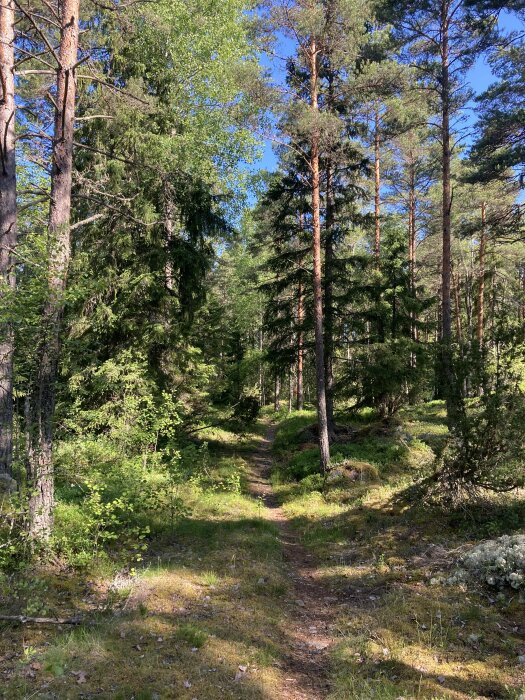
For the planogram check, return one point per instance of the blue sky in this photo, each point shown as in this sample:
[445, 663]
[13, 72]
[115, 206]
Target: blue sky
[479, 78]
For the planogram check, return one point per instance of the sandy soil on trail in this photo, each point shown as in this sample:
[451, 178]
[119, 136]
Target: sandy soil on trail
[311, 614]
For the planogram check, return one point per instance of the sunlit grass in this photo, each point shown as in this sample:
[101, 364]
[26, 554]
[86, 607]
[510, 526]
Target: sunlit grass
[400, 636]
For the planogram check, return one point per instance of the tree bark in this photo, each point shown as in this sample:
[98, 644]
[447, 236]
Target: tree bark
[412, 245]
[42, 398]
[300, 349]
[450, 389]
[169, 233]
[324, 446]
[329, 258]
[277, 394]
[8, 232]
[377, 187]
[481, 273]
[446, 332]
[329, 301]
[457, 304]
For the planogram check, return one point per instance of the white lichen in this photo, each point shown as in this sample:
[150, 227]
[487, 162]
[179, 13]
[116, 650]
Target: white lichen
[499, 563]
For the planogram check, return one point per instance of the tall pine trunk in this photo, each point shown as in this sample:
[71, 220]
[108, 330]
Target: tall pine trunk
[451, 391]
[300, 348]
[329, 258]
[43, 389]
[277, 393]
[322, 419]
[377, 187]
[8, 236]
[481, 274]
[457, 306]
[412, 245]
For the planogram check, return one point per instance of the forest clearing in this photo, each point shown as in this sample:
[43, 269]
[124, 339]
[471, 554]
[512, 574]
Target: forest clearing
[262, 349]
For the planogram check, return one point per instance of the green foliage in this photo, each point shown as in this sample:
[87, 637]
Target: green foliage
[110, 494]
[14, 544]
[290, 430]
[191, 634]
[246, 410]
[485, 450]
[387, 376]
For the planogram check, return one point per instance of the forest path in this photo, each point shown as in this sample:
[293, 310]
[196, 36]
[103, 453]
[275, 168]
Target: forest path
[310, 617]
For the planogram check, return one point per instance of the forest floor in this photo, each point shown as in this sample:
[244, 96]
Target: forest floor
[281, 592]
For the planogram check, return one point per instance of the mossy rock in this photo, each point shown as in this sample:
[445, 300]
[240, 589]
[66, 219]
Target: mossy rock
[354, 470]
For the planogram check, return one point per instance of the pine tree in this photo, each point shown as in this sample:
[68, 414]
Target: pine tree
[8, 227]
[443, 41]
[43, 389]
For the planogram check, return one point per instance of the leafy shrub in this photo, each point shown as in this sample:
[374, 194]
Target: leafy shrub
[485, 450]
[82, 530]
[246, 410]
[313, 482]
[387, 376]
[14, 547]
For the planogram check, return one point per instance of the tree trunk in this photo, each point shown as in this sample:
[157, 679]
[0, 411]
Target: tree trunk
[277, 394]
[457, 305]
[450, 389]
[8, 236]
[412, 246]
[481, 288]
[42, 395]
[169, 233]
[261, 368]
[329, 301]
[377, 188]
[300, 349]
[317, 274]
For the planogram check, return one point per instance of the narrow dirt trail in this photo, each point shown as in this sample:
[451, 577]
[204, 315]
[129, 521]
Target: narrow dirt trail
[310, 620]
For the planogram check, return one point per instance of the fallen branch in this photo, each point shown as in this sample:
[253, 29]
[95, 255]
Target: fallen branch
[23, 619]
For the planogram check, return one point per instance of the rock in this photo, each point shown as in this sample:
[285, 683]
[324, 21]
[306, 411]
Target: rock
[335, 475]
[7, 484]
[300, 603]
[402, 434]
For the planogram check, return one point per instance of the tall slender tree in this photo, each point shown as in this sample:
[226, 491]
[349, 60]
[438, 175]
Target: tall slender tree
[8, 221]
[322, 417]
[43, 388]
[444, 40]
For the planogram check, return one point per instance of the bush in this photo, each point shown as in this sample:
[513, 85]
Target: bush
[485, 450]
[386, 376]
[246, 410]
[14, 545]
[83, 530]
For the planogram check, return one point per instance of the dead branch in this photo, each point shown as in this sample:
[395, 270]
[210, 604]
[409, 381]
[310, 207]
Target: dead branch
[22, 619]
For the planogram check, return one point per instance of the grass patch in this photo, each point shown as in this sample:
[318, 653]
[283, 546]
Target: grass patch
[401, 636]
[182, 625]
[194, 636]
